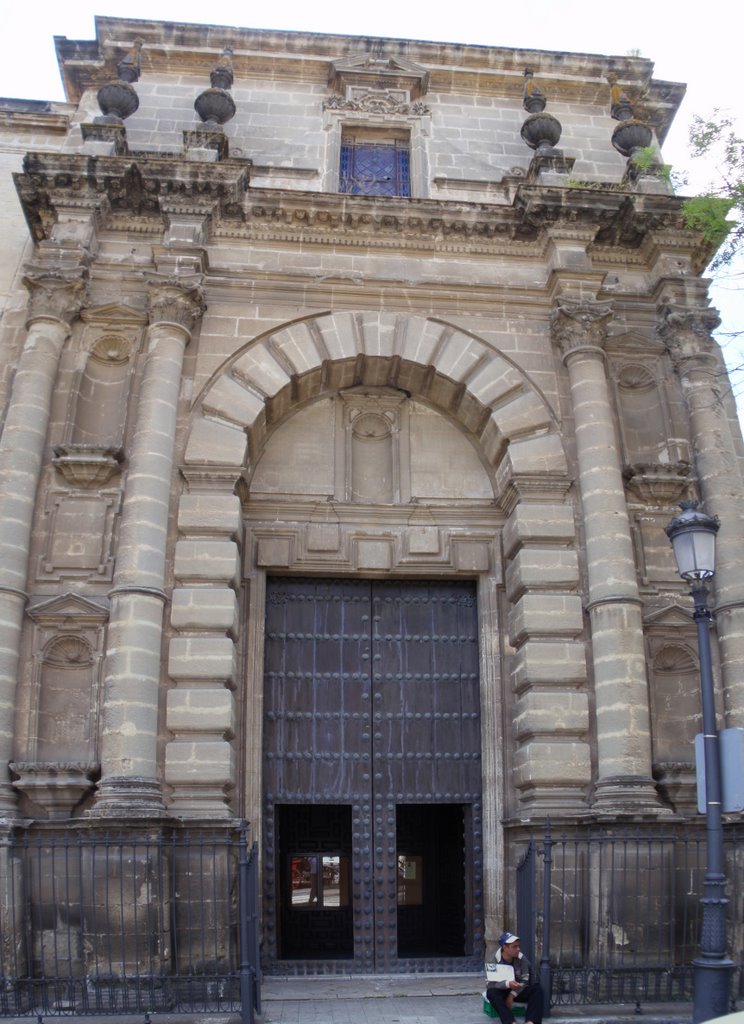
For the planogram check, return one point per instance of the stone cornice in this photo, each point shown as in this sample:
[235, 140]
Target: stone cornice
[134, 192]
[263, 510]
[47, 122]
[179, 48]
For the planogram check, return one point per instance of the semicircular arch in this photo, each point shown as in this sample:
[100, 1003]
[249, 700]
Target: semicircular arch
[450, 368]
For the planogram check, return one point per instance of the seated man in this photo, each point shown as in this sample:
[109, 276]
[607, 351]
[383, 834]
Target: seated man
[509, 976]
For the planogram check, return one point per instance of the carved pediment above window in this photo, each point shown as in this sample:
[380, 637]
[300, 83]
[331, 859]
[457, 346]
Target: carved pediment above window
[68, 610]
[371, 72]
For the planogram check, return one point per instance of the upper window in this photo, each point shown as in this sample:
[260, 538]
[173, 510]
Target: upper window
[375, 162]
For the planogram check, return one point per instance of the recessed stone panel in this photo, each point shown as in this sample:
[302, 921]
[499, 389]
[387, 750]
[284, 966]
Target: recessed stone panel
[373, 554]
[274, 551]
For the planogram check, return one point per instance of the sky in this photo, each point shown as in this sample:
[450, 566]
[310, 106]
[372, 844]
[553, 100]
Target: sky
[688, 43]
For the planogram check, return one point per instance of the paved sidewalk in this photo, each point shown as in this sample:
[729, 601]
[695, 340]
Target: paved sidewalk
[425, 999]
[382, 999]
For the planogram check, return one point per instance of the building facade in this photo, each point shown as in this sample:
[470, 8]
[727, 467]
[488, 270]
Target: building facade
[342, 419]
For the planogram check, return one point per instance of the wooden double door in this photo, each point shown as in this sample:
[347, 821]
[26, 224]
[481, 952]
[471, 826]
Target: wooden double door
[372, 776]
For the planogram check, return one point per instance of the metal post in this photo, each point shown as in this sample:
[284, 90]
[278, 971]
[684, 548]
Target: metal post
[246, 968]
[712, 968]
[545, 973]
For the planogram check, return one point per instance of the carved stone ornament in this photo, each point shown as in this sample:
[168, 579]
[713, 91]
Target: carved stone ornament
[175, 301]
[112, 350]
[128, 68]
[215, 106]
[620, 106]
[656, 483]
[630, 136]
[541, 132]
[56, 294]
[534, 99]
[222, 75]
[577, 325]
[687, 333]
[87, 465]
[57, 787]
[376, 101]
[375, 71]
[118, 99]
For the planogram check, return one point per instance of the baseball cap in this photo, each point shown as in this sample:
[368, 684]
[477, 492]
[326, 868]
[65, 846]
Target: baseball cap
[506, 937]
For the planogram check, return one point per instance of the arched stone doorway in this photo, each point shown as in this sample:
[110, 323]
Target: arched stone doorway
[369, 447]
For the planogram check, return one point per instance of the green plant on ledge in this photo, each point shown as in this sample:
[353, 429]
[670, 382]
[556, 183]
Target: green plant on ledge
[708, 214]
[646, 161]
[716, 137]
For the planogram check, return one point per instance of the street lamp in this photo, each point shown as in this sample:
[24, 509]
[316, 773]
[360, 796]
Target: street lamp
[693, 537]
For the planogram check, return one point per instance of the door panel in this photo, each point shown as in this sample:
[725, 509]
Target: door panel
[371, 711]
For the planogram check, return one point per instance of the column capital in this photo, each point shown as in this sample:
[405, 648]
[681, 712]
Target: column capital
[175, 300]
[577, 326]
[687, 333]
[55, 294]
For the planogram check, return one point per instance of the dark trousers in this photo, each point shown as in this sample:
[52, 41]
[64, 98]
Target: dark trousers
[532, 995]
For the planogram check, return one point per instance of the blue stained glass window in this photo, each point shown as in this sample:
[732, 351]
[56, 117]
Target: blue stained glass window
[375, 168]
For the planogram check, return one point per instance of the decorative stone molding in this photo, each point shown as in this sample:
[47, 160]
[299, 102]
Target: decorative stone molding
[580, 325]
[114, 135]
[657, 483]
[87, 465]
[69, 550]
[215, 106]
[687, 333]
[376, 102]
[57, 787]
[175, 301]
[206, 139]
[378, 72]
[112, 348]
[55, 294]
[117, 99]
[68, 610]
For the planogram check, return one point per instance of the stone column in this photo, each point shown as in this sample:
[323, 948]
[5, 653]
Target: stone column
[624, 781]
[129, 737]
[696, 356]
[56, 298]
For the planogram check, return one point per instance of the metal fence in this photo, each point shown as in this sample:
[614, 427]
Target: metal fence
[620, 913]
[134, 922]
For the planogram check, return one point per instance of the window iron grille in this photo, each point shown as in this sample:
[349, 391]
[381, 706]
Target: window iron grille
[375, 169]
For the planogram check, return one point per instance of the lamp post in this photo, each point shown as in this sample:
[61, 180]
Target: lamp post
[693, 537]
